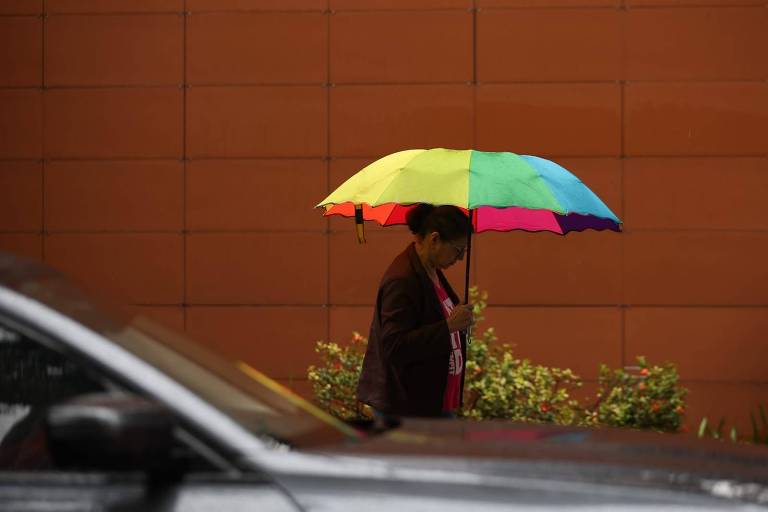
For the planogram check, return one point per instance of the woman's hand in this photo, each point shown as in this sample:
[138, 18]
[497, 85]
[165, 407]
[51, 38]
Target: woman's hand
[460, 318]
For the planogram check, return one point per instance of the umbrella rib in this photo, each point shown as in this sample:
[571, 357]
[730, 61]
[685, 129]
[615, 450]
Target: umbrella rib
[386, 187]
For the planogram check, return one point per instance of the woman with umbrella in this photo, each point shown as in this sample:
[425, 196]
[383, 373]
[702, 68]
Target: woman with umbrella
[404, 371]
[414, 364]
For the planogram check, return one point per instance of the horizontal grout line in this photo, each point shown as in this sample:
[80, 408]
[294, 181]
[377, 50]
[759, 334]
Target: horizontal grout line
[21, 87]
[182, 85]
[619, 81]
[479, 83]
[506, 306]
[258, 84]
[112, 13]
[190, 12]
[370, 158]
[319, 158]
[99, 159]
[605, 157]
[619, 7]
[178, 232]
[221, 306]
[197, 12]
[692, 6]
[403, 10]
[333, 85]
[332, 12]
[86, 87]
[162, 305]
[50, 232]
[193, 12]
[163, 159]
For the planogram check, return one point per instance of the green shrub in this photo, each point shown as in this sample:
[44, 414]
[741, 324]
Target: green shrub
[646, 397]
[334, 381]
[497, 385]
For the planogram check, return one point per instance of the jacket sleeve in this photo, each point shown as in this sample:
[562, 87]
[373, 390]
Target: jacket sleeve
[403, 337]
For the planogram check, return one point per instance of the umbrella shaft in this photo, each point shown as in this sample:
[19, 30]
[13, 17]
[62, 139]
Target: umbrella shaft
[468, 256]
[466, 275]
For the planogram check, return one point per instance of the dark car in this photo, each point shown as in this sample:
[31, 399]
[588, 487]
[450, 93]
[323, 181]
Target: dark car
[100, 411]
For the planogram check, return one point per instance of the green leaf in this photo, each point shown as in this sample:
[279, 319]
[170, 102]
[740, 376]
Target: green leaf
[703, 427]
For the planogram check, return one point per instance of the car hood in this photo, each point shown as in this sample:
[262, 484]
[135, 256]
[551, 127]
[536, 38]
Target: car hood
[505, 439]
[496, 451]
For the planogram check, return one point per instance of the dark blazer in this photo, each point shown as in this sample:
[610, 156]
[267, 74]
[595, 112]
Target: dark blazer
[406, 364]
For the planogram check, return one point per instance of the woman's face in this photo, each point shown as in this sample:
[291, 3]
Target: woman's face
[445, 253]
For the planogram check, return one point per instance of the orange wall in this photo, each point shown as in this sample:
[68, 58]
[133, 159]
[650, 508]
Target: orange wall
[174, 160]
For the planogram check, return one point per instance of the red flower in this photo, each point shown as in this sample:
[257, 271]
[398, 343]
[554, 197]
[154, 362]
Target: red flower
[644, 372]
[544, 408]
[655, 406]
[679, 409]
[641, 386]
[337, 365]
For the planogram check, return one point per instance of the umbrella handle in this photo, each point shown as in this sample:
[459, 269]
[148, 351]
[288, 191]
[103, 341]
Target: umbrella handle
[359, 225]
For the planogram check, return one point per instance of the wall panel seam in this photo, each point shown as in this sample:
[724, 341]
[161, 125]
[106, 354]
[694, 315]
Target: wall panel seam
[110, 13]
[43, 148]
[327, 221]
[391, 84]
[185, 165]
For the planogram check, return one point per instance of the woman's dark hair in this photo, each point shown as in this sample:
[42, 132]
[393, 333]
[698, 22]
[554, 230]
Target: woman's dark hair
[449, 222]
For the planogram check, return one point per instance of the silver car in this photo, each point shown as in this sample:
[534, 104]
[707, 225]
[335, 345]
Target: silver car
[105, 411]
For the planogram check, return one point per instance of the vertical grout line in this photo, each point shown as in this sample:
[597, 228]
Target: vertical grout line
[43, 224]
[328, 167]
[474, 41]
[622, 270]
[185, 160]
[623, 13]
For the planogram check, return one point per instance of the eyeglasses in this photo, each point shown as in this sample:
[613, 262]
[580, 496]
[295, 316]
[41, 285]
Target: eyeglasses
[460, 249]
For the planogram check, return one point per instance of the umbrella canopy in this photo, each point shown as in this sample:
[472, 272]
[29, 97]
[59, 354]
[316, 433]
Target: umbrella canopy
[506, 191]
[500, 191]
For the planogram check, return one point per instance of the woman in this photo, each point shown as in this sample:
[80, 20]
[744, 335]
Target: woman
[414, 364]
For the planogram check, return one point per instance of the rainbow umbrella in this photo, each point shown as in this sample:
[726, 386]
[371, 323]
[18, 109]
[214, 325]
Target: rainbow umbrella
[500, 191]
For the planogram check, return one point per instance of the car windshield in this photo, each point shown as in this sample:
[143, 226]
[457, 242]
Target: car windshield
[239, 390]
[260, 404]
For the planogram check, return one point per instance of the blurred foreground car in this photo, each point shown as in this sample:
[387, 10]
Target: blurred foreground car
[104, 412]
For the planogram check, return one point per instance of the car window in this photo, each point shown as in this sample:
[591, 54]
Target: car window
[32, 377]
[234, 387]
